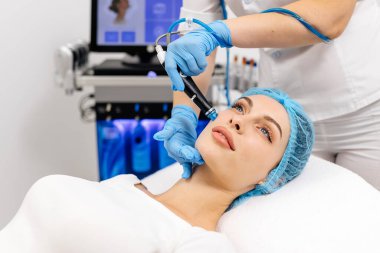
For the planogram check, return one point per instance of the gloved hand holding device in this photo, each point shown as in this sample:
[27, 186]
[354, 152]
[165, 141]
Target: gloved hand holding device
[190, 51]
[179, 136]
[189, 54]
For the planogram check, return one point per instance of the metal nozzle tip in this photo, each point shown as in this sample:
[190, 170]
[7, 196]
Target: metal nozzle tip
[159, 48]
[212, 116]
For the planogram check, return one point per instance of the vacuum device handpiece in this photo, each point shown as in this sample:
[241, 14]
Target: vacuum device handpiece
[193, 92]
[191, 89]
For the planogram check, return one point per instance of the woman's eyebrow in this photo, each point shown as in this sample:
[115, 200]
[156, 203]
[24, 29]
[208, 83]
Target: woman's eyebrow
[249, 101]
[270, 119]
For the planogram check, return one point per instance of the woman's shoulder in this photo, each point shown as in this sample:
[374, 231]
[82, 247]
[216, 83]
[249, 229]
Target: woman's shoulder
[61, 184]
[59, 179]
[60, 191]
[51, 186]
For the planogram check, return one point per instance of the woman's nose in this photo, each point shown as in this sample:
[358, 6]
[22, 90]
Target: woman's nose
[236, 124]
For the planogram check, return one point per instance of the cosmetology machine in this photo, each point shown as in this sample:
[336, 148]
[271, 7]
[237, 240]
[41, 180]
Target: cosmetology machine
[131, 97]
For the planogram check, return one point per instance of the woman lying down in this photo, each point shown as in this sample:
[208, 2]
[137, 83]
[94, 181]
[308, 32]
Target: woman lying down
[253, 148]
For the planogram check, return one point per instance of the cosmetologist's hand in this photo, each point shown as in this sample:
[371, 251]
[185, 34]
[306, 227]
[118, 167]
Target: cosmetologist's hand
[179, 136]
[189, 52]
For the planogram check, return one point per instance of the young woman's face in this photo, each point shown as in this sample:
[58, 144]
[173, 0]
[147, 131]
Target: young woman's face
[245, 142]
[123, 5]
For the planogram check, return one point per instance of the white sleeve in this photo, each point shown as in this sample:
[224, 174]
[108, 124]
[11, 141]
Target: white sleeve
[206, 10]
[205, 242]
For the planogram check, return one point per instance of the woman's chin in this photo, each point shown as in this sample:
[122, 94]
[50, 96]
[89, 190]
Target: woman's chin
[210, 154]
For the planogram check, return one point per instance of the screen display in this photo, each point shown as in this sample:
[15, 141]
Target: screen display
[134, 22]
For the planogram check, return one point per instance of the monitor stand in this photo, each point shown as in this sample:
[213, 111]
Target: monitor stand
[130, 65]
[146, 59]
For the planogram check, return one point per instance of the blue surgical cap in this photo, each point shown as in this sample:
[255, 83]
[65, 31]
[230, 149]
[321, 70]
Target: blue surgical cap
[297, 151]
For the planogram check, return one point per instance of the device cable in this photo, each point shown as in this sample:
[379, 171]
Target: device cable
[227, 79]
[306, 24]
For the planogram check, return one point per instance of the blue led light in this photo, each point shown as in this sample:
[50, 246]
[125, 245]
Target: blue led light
[119, 152]
[137, 107]
[165, 107]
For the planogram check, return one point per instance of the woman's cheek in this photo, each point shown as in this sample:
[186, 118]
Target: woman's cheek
[206, 147]
[252, 150]
[201, 143]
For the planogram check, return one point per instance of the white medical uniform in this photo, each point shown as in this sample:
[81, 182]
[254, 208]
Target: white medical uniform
[68, 214]
[328, 80]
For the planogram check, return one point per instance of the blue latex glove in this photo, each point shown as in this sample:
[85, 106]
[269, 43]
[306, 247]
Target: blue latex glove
[189, 52]
[179, 135]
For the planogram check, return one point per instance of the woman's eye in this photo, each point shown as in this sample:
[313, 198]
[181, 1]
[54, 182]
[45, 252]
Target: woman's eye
[266, 133]
[238, 107]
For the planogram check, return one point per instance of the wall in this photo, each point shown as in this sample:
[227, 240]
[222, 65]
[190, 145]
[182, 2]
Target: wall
[40, 129]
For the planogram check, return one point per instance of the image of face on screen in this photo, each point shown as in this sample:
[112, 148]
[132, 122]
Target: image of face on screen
[120, 8]
[134, 22]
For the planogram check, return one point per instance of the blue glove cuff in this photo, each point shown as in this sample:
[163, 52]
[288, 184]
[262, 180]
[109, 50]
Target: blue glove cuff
[187, 111]
[221, 33]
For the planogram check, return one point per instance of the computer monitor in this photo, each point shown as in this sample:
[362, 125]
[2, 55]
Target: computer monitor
[131, 26]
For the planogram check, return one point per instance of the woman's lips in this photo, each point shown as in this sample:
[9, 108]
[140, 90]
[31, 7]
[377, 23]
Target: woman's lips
[224, 137]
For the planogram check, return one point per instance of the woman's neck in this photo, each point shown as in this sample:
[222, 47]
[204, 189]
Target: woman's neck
[200, 200]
